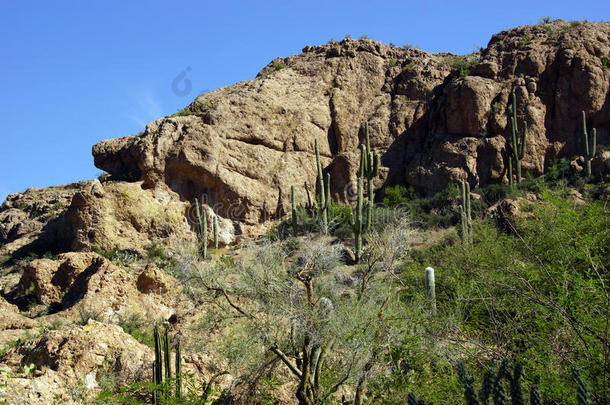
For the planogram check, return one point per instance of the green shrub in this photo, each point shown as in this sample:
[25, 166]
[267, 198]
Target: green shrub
[459, 64]
[398, 194]
[544, 20]
[512, 293]
[156, 254]
[181, 113]
[278, 66]
[122, 256]
[138, 327]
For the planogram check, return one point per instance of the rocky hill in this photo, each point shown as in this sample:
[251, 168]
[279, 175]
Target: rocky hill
[80, 258]
[435, 118]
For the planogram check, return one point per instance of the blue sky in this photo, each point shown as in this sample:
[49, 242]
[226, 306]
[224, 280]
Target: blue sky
[73, 72]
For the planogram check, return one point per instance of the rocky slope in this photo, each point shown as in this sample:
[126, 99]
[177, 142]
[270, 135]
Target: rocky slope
[435, 118]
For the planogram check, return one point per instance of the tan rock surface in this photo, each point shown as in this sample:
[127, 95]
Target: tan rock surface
[77, 284]
[70, 363]
[35, 219]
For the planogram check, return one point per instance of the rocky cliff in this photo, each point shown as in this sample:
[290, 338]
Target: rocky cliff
[435, 118]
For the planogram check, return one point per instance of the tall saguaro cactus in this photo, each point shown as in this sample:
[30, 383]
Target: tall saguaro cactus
[162, 363]
[357, 222]
[370, 165]
[589, 146]
[465, 213]
[294, 212]
[202, 230]
[517, 147]
[324, 199]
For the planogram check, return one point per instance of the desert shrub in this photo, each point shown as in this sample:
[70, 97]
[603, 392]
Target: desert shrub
[397, 195]
[282, 299]
[536, 294]
[440, 210]
[184, 112]
[278, 66]
[122, 256]
[156, 254]
[86, 314]
[138, 327]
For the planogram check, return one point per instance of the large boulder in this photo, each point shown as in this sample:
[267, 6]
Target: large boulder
[86, 284]
[69, 364]
[89, 215]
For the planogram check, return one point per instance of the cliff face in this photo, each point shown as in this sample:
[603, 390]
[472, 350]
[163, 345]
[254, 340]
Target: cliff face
[243, 146]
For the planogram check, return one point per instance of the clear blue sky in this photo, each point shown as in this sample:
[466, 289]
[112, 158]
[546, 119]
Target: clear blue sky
[75, 72]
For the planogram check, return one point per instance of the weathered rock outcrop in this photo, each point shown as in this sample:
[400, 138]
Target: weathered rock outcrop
[435, 118]
[35, 219]
[71, 363]
[90, 215]
[82, 283]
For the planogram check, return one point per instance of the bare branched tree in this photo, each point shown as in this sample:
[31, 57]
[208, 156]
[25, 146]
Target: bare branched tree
[290, 306]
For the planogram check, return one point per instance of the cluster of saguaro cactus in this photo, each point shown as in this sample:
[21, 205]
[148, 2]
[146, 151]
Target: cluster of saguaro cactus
[590, 146]
[161, 391]
[370, 167]
[492, 389]
[202, 231]
[324, 192]
[517, 147]
[465, 214]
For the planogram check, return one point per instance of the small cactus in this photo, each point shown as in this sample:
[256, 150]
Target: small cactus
[469, 394]
[535, 397]
[516, 393]
[498, 393]
[486, 386]
[357, 223]
[582, 393]
[309, 206]
[431, 288]
[178, 370]
[590, 147]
